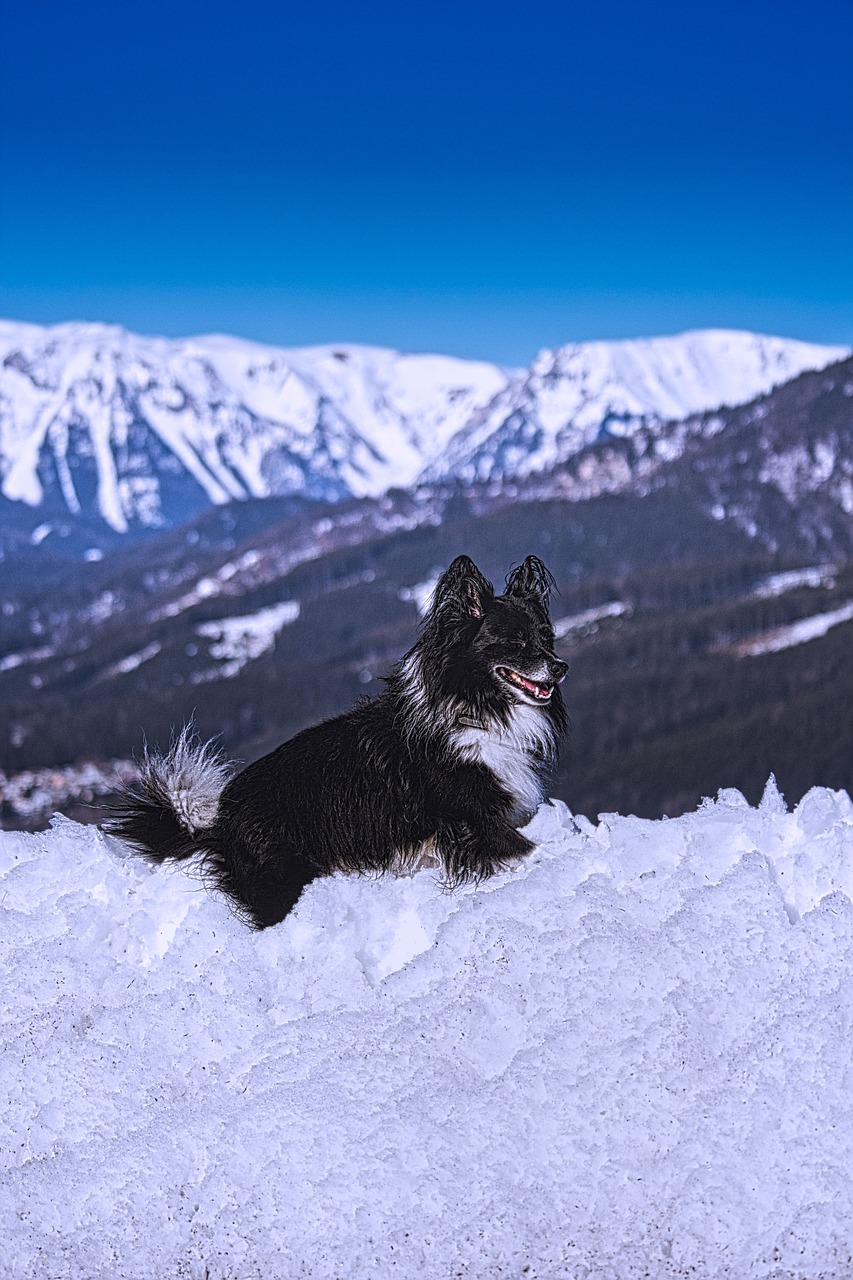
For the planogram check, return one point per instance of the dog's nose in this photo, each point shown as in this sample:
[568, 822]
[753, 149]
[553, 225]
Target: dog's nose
[559, 669]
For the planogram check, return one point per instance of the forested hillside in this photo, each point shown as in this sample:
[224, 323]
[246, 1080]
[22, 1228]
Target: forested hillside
[704, 602]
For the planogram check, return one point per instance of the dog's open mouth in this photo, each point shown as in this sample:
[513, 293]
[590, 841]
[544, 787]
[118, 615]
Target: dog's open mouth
[534, 688]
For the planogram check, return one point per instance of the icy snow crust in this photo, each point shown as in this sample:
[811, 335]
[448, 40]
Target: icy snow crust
[630, 1056]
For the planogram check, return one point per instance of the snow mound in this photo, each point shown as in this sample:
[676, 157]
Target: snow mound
[630, 1056]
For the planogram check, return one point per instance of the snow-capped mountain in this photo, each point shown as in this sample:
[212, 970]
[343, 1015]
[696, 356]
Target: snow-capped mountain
[711, 558]
[145, 430]
[583, 392]
[138, 431]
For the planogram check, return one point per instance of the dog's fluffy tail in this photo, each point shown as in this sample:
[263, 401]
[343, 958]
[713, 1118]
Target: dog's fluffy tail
[171, 813]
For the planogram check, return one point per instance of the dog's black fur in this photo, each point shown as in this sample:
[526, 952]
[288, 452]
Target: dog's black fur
[451, 758]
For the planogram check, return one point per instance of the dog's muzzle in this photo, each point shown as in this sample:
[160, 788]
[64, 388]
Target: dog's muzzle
[538, 691]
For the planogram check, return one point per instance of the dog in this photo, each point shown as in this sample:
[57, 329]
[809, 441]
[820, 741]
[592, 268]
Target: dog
[451, 758]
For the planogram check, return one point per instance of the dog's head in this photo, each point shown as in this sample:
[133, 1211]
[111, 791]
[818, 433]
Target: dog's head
[493, 653]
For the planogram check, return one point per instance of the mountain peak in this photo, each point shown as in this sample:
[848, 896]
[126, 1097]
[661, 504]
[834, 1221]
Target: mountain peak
[100, 422]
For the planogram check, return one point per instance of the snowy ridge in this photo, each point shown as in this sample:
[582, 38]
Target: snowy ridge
[94, 410]
[628, 1057]
[571, 396]
[98, 421]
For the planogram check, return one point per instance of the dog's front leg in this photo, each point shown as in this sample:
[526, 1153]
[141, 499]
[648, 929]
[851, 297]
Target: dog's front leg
[475, 837]
[475, 853]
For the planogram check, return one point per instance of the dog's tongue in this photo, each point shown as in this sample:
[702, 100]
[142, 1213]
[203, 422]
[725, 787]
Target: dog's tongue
[539, 691]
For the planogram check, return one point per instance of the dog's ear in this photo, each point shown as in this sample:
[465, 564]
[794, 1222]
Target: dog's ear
[531, 579]
[463, 587]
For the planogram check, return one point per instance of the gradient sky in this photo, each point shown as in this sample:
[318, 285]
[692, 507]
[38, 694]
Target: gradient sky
[469, 177]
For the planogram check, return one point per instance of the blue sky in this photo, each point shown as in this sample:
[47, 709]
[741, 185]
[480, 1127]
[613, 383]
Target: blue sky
[483, 179]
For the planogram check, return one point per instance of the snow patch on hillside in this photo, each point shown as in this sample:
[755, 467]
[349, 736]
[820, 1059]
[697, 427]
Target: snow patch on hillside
[133, 660]
[777, 584]
[799, 632]
[586, 622]
[238, 641]
[421, 594]
[629, 1056]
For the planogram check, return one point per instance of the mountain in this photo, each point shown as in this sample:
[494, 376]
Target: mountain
[584, 393]
[705, 603]
[780, 468]
[144, 431]
[111, 433]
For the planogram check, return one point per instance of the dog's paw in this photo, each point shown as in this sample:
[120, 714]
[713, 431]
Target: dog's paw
[468, 853]
[497, 850]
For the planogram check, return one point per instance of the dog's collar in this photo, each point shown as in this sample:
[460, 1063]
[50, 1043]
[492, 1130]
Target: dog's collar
[471, 722]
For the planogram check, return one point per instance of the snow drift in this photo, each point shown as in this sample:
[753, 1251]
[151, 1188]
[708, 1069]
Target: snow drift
[629, 1056]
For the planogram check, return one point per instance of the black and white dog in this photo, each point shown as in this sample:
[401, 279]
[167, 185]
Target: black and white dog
[451, 759]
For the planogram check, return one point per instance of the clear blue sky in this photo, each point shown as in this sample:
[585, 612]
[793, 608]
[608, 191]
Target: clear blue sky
[470, 177]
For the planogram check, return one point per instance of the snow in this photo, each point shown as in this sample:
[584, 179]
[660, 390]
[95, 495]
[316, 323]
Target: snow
[572, 393]
[39, 534]
[587, 622]
[205, 588]
[799, 632]
[777, 584]
[629, 1056]
[245, 420]
[12, 660]
[420, 595]
[242, 419]
[133, 660]
[238, 641]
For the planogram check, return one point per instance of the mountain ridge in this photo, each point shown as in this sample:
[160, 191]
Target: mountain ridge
[693, 562]
[139, 433]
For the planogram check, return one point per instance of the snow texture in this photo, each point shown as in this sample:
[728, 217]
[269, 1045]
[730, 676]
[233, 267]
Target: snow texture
[630, 1056]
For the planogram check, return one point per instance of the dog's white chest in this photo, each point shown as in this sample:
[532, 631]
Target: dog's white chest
[509, 753]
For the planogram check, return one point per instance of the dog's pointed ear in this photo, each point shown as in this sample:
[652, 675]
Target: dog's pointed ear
[462, 587]
[531, 579]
